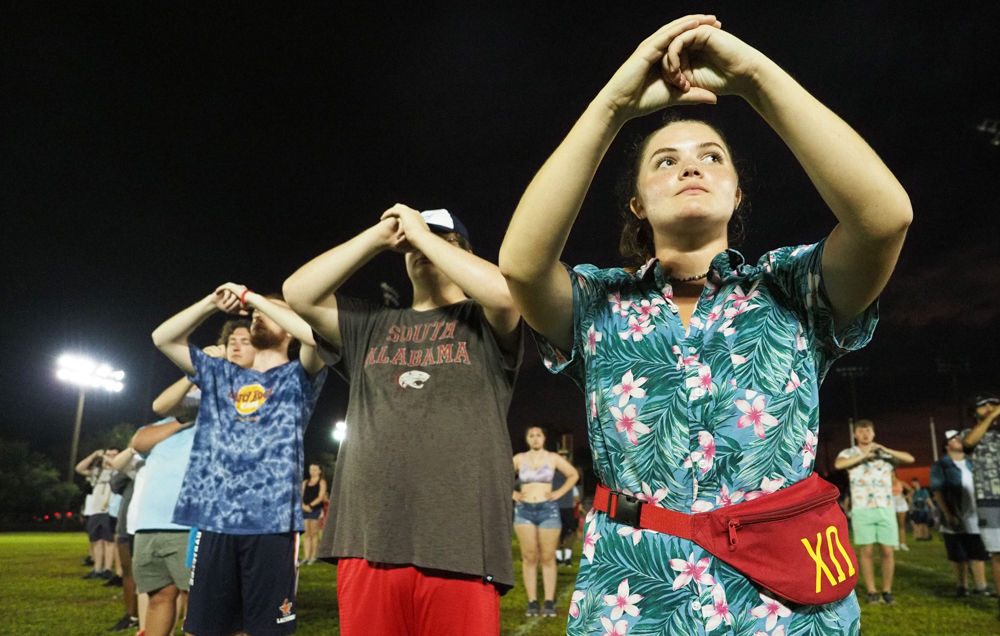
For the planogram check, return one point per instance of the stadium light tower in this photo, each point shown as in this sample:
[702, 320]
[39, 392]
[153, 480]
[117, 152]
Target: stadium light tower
[86, 374]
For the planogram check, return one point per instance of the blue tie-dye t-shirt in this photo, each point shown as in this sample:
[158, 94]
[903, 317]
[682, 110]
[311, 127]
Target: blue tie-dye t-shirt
[247, 460]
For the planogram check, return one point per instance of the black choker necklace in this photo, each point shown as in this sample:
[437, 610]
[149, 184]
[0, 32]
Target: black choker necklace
[689, 279]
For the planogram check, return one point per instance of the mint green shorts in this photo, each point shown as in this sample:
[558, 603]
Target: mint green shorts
[875, 525]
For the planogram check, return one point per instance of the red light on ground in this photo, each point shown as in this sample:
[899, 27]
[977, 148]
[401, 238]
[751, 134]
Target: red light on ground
[58, 515]
[69, 514]
[46, 516]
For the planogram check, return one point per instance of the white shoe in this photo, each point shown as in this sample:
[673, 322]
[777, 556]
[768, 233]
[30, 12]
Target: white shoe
[904, 547]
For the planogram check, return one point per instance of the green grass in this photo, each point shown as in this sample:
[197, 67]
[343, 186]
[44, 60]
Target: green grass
[43, 594]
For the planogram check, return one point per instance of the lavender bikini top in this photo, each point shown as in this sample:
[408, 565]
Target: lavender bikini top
[542, 475]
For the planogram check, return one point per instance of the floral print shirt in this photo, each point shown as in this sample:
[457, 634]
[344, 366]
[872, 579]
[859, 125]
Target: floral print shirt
[692, 419]
[871, 482]
[985, 460]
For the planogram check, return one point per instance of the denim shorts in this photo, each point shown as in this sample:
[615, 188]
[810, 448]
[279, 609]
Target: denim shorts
[545, 515]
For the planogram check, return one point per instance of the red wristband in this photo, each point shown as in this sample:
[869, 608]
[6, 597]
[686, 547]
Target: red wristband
[243, 297]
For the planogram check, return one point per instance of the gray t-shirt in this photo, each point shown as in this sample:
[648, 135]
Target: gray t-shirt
[423, 476]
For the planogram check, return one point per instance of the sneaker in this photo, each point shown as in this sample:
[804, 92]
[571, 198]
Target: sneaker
[126, 622]
[104, 575]
[532, 609]
[961, 592]
[548, 608]
[904, 547]
[311, 562]
[984, 592]
[88, 562]
[888, 598]
[115, 581]
[93, 574]
[874, 598]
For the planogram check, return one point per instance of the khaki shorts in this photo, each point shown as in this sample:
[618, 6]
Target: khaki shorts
[160, 559]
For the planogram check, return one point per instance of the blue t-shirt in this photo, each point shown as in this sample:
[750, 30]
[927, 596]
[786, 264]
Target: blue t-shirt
[164, 473]
[247, 458]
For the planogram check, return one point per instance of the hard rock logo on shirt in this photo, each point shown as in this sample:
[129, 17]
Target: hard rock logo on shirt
[423, 348]
[248, 399]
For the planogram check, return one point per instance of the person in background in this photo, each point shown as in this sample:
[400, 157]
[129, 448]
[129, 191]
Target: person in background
[901, 492]
[981, 444]
[313, 496]
[242, 486]
[873, 516]
[952, 482]
[567, 513]
[920, 511]
[127, 463]
[537, 520]
[100, 529]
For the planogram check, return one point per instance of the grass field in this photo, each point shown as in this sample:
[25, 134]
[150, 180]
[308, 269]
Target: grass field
[42, 594]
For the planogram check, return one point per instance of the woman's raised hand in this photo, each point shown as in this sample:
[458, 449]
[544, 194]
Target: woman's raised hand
[644, 85]
[710, 59]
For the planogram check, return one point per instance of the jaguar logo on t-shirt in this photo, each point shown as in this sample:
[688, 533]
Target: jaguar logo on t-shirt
[250, 398]
[414, 379]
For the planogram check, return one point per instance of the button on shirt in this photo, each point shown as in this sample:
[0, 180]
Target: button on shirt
[694, 419]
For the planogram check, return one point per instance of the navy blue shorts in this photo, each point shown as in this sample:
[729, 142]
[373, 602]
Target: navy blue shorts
[313, 514]
[243, 583]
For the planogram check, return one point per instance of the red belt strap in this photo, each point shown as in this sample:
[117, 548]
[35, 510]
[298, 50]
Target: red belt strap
[630, 511]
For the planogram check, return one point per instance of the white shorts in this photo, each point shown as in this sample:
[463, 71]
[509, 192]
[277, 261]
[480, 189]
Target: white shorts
[899, 501]
[989, 528]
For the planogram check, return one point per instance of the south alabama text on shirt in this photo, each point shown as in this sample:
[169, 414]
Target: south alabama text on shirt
[452, 352]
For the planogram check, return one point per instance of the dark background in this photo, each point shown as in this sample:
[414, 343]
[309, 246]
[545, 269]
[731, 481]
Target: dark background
[151, 151]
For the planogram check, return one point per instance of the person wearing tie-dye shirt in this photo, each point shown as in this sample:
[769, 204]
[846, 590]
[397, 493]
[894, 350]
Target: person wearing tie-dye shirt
[241, 488]
[700, 371]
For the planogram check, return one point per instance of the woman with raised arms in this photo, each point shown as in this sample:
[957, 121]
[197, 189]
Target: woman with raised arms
[701, 371]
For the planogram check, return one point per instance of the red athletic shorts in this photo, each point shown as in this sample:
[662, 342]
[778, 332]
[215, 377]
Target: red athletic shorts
[376, 599]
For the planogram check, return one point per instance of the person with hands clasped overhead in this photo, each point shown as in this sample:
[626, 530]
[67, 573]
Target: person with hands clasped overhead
[981, 444]
[420, 503]
[701, 372]
[873, 512]
[952, 482]
[242, 485]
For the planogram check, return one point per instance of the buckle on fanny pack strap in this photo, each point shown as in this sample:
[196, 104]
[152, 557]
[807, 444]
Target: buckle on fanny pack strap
[628, 510]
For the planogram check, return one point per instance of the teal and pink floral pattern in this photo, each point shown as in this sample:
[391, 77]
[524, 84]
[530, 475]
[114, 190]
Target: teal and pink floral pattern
[692, 419]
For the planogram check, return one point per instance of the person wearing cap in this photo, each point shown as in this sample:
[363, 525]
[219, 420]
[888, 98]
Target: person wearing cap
[873, 514]
[952, 484]
[982, 445]
[420, 504]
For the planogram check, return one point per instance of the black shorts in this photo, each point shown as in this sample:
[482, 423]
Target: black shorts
[569, 523]
[965, 547]
[243, 583]
[101, 527]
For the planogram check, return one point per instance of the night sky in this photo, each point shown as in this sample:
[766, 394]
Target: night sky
[152, 151]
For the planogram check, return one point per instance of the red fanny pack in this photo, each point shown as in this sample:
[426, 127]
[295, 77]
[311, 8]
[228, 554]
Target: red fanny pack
[794, 542]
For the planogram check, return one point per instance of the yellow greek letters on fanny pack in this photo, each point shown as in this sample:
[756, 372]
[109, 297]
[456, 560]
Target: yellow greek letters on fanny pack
[832, 535]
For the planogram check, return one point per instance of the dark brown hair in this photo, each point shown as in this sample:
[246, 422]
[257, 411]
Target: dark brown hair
[229, 327]
[636, 244]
